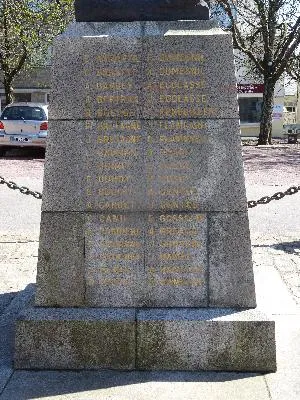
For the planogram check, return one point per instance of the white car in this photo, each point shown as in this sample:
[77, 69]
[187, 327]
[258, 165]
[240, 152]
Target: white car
[23, 125]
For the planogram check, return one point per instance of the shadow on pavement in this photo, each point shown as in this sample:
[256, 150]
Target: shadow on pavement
[5, 300]
[26, 385]
[24, 154]
[287, 247]
[273, 160]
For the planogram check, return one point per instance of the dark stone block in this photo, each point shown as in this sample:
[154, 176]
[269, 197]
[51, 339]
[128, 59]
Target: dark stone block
[49, 338]
[139, 10]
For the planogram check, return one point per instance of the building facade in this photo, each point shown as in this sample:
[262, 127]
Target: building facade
[30, 86]
[34, 86]
[250, 97]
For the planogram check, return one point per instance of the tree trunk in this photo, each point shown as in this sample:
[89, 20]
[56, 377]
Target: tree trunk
[9, 91]
[265, 134]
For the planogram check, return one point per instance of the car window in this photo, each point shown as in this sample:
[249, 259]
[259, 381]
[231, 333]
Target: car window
[24, 112]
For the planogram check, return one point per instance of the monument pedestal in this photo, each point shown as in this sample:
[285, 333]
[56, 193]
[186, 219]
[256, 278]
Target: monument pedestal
[145, 255]
[152, 339]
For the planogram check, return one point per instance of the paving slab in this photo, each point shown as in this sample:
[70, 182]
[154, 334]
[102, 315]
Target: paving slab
[135, 386]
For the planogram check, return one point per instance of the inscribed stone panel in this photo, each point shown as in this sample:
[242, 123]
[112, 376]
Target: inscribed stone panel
[146, 260]
[176, 260]
[165, 165]
[104, 73]
[187, 78]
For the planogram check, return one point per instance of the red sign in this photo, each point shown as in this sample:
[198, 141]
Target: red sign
[250, 88]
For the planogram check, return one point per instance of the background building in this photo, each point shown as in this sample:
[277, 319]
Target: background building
[34, 86]
[31, 86]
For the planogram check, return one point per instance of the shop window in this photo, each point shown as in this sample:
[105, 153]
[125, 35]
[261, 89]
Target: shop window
[22, 97]
[250, 109]
[291, 109]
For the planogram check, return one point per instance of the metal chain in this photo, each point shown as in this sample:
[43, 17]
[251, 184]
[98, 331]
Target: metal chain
[22, 189]
[276, 196]
[251, 203]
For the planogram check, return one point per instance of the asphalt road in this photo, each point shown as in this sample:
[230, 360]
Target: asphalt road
[267, 170]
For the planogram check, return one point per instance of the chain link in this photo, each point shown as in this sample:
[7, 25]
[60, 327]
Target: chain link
[275, 196]
[251, 203]
[22, 189]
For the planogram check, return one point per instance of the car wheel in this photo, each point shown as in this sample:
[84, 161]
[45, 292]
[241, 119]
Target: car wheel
[2, 151]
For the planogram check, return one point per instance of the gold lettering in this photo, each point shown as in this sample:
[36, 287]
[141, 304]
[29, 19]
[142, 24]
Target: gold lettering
[174, 152]
[181, 282]
[114, 86]
[180, 217]
[181, 57]
[124, 244]
[172, 178]
[178, 231]
[171, 71]
[183, 99]
[121, 231]
[178, 192]
[119, 205]
[112, 218]
[176, 85]
[117, 99]
[181, 243]
[182, 138]
[119, 138]
[181, 270]
[88, 124]
[187, 112]
[190, 125]
[114, 113]
[113, 178]
[122, 125]
[113, 192]
[174, 256]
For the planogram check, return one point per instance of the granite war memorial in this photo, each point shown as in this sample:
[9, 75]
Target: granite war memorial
[145, 255]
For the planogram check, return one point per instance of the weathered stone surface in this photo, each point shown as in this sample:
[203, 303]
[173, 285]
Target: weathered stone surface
[108, 175]
[126, 166]
[202, 339]
[231, 340]
[114, 260]
[139, 10]
[146, 260]
[48, 338]
[194, 165]
[138, 75]
[179, 75]
[107, 81]
[231, 280]
[176, 260]
[60, 276]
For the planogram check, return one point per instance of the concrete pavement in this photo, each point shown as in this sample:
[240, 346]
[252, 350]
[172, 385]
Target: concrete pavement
[275, 233]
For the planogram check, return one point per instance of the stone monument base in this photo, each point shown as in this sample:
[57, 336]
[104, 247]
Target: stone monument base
[145, 339]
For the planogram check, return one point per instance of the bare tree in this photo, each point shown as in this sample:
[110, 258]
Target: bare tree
[27, 28]
[293, 69]
[268, 33]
